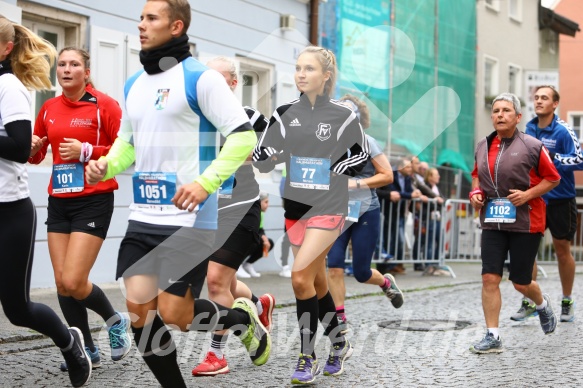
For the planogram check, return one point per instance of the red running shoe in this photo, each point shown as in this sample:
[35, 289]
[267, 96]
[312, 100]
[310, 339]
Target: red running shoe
[211, 366]
[266, 317]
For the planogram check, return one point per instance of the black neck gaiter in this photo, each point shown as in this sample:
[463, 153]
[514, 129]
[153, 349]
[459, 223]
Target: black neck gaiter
[166, 56]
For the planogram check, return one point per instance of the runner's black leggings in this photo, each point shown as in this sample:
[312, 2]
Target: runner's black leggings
[17, 234]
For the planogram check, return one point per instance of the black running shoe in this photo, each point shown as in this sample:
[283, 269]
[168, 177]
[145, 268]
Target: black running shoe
[78, 363]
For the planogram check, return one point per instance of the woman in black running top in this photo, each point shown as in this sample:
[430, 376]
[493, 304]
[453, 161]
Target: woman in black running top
[322, 144]
[18, 221]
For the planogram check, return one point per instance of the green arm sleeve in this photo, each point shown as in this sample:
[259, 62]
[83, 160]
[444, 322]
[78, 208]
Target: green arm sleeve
[236, 149]
[120, 157]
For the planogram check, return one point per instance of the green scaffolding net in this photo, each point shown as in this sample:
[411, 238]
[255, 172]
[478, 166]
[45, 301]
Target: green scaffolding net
[414, 64]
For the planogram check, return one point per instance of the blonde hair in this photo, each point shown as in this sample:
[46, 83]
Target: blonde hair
[328, 61]
[31, 58]
[430, 172]
[229, 62]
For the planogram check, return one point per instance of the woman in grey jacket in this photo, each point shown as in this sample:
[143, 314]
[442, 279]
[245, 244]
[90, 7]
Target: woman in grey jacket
[511, 172]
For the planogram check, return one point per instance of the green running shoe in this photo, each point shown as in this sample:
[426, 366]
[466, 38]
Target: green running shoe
[256, 339]
[567, 310]
[526, 310]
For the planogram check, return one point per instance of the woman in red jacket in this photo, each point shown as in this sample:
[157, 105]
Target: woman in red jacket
[80, 125]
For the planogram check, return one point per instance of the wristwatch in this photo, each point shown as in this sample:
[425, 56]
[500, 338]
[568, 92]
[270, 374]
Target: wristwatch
[358, 183]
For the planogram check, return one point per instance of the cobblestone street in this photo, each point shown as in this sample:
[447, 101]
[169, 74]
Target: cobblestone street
[382, 357]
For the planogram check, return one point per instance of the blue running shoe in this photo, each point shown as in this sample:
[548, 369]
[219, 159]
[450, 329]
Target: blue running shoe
[94, 356]
[119, 338]
[548, 320]
[348, 270]
[488, 344]
[306, 370]
[338, 354]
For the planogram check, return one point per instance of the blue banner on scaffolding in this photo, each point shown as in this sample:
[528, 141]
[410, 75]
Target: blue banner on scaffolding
[363, 45]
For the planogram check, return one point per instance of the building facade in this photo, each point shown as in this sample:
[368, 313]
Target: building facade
[250, 31]
[508, 47]
[571, 81]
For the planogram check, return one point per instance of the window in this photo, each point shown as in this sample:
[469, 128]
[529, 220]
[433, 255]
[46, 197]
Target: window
[249, 86]
[490, 77]
[514, 79]
[576, 122]
[256, 82]
[494, 5]
[515, 10]
[59, 27]
[62, 29]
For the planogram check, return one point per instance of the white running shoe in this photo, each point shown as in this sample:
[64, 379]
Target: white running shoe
[248, 267]
[285, 272]
[242, 274]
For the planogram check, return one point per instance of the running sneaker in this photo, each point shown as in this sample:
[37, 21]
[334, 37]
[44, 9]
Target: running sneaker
[306, 370]
[119, 338]
[393, 292]
[526, 310]
[266, 316]
[256, 339]
[79, 365]
[488, 344]
[94, 356]
[242, 274]
[211, 366]
[285, 272]
[248, 267]
[567, 310]
[338, 354]
[548, 320]
[342, 324]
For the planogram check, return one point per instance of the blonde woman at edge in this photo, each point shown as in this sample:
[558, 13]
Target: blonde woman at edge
[25, 63]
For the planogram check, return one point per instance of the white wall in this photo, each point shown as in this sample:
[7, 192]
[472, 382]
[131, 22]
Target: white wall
[247, 28]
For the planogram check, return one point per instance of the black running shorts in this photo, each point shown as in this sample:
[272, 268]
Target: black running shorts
[179, 259]
[90, 214]
[522, 248]
[562, 218]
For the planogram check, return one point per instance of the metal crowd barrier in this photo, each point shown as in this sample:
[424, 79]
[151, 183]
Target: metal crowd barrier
[412, 237]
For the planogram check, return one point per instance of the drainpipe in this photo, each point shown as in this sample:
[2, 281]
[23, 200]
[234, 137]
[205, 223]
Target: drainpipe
[314, 7]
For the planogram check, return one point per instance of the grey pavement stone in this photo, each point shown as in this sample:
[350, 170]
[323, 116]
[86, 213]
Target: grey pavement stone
[382, 357]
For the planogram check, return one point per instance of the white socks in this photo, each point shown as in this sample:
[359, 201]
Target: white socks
[495, 332]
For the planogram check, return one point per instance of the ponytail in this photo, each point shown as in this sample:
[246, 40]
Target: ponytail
[31, 58]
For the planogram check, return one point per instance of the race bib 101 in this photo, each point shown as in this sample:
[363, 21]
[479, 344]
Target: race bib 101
[68, 178]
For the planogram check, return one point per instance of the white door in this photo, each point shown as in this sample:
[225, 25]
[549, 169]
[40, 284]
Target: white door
[114, 58]
[107, 61]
